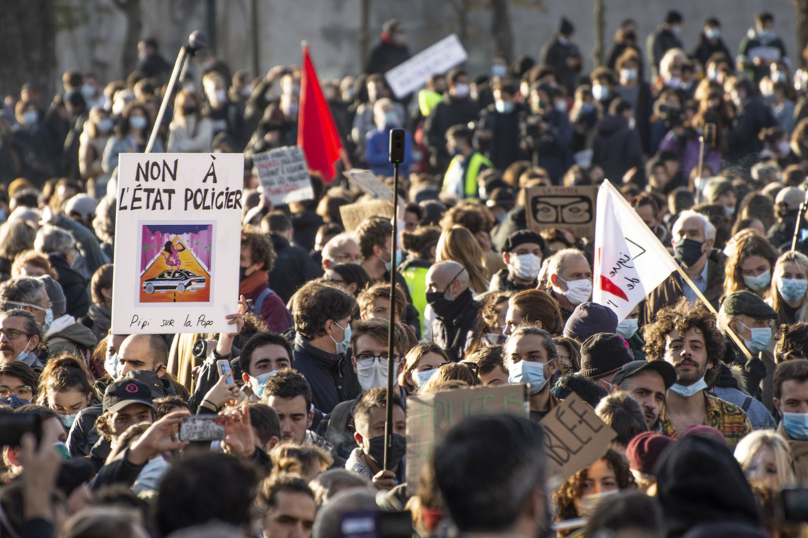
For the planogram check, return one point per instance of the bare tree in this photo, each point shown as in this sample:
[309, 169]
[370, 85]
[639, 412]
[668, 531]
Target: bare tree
[363, 35]
[28, 42]
[801, 8]
[501, 27]
[130, 8]
[599, 16]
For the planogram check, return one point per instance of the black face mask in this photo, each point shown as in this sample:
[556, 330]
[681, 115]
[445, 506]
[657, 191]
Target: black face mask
[437, 300]
[188, 110]
[242, 273]
[687, 251]
[394, 456]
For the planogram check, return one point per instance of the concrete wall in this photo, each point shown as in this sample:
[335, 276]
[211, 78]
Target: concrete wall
[331, 27]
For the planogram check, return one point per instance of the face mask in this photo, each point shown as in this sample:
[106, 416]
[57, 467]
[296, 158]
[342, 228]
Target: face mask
[492, 338]
[48, 319]
[188, 110]
[462, 90]
[189, 86]
[564, 368]
[600, 92]
[677, 30]
[687, 392]
[561, 106]
[292, 109]
[394, 456]
[784, 148]
[589, 503]
[242, 273]
[528, 372]
[504, 107]
[578, 291]
[674, 82]
[111, 365]
[23, 353]
[68, 420]
[765, 33]
[399, 258]
[105, 125]
[372, 373]
[482, 194]
[221, 96]
[587, 107]
[61, 448]
[791, 289]
[759, 340]
[14, 402]
[137, 122]
[627, 328]
[438, 301]
[258, 383]
[390, 118]
[758, 283]
[628, 74]
[712, 33]
[247, 90]
[499, 71]
[421, 378]
[30, 117]
[342, 347]
[688, 251]
[729, 210]
[526, 266]
[796, 424]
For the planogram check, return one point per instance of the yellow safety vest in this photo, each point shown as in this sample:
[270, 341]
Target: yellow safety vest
[415, 277]
[471, 190]
[427, 101]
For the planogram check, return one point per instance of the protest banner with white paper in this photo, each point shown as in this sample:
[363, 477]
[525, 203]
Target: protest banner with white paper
[370, 184]
[177, 242]
[438, 59]
[284, 175]
[630, 262]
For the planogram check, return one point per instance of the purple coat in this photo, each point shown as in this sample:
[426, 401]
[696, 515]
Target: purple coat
[689, 154]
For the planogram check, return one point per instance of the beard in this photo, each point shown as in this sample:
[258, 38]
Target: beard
[687, 378]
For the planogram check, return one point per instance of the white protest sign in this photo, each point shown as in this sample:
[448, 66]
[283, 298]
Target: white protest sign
[177, 242]
[407, 77]
[369, 183]
[284, 174]
[630, 262]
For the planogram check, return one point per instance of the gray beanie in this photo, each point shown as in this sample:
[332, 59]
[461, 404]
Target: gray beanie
[55, 294]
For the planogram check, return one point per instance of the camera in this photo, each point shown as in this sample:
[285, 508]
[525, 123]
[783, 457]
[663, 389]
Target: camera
[200, 350]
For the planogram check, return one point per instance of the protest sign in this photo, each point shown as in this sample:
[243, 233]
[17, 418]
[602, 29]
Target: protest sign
[371, 184]
[568, 208]
[354, 214]
[430, 416]
[575, 437]
[407, 77]
[284, 175]
[176, 242]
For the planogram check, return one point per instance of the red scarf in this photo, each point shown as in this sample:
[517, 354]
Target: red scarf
[249, 284]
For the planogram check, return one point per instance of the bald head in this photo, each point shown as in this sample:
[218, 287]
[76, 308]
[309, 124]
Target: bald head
[142, 352]
[448, 277]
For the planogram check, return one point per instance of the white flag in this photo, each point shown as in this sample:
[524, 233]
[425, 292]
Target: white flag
[630, 261]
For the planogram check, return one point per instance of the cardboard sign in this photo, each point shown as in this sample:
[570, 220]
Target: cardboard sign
[354, 214]
[575, 438]
[284, 175]
[176, 246]
[437, 59]
[371, 184]
[430, 416]
[569, 208]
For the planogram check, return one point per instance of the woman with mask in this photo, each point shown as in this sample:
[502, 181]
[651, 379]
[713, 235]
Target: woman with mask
[66, 387]
[131, 136]
[749, 265]
[490, 322]
[32, 143]
[569, 355]
[419, 364]
[93, 140]
[629, 330]
[579, 496]
[190, 131]
[790, 284]
[765, 458]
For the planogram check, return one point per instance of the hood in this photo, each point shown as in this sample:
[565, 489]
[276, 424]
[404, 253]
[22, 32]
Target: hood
[611, 124]
[699, 482]
[75, 332]
[278, 241]
[306, 219]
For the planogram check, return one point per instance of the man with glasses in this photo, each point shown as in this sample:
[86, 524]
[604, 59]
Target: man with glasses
[19, 337]
[29, 294]
[455, 309]
[340, 249]
[370, 354]
[18, 384]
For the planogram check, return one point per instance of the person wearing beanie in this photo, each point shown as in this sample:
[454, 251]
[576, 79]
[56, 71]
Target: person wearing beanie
[721, 192]
[390, 51]
[81, 208]
[563, 55]
[64, 334]
[588, 319]
[667, 36]
[642, 453]
[602, 356]
[686, 337]
[523, 253]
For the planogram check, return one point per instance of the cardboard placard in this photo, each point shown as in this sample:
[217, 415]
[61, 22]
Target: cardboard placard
[568, 208]
[370, 184]
[430, 416]
[176, 260]
[354, 214]
[575, 438]
[284, 175]
[438, 59]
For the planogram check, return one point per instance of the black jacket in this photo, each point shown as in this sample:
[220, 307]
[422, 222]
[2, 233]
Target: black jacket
[502, 148]
[330, 376]
[293, 268]
[659, 42]
[753, 371]
[781, 234]
[515, 220]
[753, 117]
[617, 149]
[705, 48]
[502, 281]
[73, 285]
[618, 49]
[305, 225]
[452, 332]
[555, 54]
[83, 434]
[385, 56]
[449, 112]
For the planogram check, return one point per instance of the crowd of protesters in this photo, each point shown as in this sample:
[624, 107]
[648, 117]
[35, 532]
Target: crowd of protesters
[710, 412]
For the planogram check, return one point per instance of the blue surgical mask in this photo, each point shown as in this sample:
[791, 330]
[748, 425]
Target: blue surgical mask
[24, 353]
[421, 378]
[68, 420]
[399, 258]
[792, 289]
[759, 340]
[342, 347]
[390, 118]
[105, 125]
[30, 117]
[111, 365]
[258, 383]
[627, 328]
[528, 372]
[600, 92]
[712, 33]
[796, 424]
[758, 283]
[687, 392]
[137, 122]
[48, 319]
[504, 107]
[87, 91]
[499, 70]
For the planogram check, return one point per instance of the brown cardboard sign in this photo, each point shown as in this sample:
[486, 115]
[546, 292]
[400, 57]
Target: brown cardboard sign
[568, 208]
[354, 214]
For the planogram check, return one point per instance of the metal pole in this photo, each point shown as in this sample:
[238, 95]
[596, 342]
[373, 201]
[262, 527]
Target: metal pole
[701, 165]
[388, 423]
[797, 226]
[255, 40]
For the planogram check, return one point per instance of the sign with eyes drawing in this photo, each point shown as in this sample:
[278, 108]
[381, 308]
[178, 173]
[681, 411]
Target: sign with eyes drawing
[568, 208]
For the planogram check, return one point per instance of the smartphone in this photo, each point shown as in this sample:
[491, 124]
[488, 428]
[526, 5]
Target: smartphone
[377, 524]
[709, 135]
[14, 425]
[202, 428]
[795, 504]
[223, 365]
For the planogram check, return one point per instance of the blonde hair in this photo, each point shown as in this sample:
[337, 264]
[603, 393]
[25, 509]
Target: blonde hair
[457, 244]
[747, 447]
[776, 300]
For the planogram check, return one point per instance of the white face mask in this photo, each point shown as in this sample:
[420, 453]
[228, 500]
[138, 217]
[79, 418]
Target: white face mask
[526, 266]
[462, 90]
[578, 291]
[372, 373]
[589, 503]
[760, 282]
[627, 328]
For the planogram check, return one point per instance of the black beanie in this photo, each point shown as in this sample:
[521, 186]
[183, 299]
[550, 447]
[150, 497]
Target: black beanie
[603, 354]
[565, 27]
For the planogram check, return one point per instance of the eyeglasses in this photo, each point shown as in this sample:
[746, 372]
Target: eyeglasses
[342, 257]
[44, 309]
[371, 356]
[12, 334]
[23, 392]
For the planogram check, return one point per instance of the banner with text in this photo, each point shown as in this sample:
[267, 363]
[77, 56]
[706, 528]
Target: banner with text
[568, 208]
[176, 252]
[430, 416]
[284, 175]
[438, 59]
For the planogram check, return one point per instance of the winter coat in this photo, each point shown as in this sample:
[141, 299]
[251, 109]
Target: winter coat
[617, 149]
[452, 333]
[73, 285]
[330, 376]
[555, 54]
[293, 268]
[742, 139]
[659, 42]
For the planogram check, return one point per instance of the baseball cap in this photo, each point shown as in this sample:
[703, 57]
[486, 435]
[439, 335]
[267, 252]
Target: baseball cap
[667, 371]
[125, 392]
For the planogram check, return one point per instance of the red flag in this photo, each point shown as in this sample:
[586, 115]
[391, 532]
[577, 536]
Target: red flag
[316, 132]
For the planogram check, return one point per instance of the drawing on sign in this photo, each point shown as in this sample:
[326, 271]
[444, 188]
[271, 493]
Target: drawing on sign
[559, 209]
[175, 263]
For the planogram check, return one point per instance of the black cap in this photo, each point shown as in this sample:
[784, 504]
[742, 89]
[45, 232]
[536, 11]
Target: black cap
[746, 303]
[151, 380]
[520, 238]
[667, 371]
[673, 17]
[124, 392]
[501, 196]
[603, 354]
[565, 27]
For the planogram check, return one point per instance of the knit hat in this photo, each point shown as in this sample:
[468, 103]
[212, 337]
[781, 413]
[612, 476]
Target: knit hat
[644, 450]
[565, 27]
[588, 319]
[83, 204]
[521, 237]
[746, 303]
[55, 294]
[700, 429]
[673, 17]
[716, 187]
[503, 197]
[603, 354]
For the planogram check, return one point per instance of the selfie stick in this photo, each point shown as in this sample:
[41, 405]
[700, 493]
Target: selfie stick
[396, 157]
[196, 41]
[701, 165]
[797, 225]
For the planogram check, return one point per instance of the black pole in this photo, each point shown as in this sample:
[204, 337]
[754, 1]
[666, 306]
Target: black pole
[797, 225]
[396, 157]
[211, 24]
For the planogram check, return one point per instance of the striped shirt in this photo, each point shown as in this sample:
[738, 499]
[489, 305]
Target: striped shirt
[725, 417]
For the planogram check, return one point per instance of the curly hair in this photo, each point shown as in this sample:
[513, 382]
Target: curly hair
[746, 244]
[792, 342]
[684, 316]
[315, 304]
[573, 488]
[260, 248]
